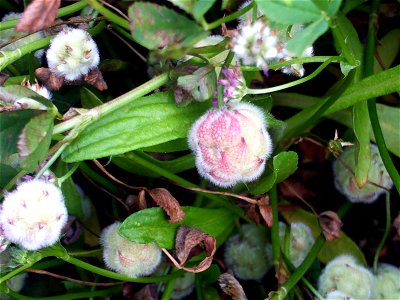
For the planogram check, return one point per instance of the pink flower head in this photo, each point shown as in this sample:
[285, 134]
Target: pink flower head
[231, 144]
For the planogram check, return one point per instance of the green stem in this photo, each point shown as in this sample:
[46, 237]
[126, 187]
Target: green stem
[103, 294]
[118, 276]
[173, 177]
[69, 173]
[51, 160]
[16, 272]
[228, 18]
[373, 114]
[385, 235]
[61, 13]
[276, 248]
[9, 56]
[300, 60]
[112, 17]
[293, 83]
[111, 106]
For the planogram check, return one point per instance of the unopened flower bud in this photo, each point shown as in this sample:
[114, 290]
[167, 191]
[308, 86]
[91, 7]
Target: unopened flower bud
[34, 214]
[231, 144]
[345, 182]
[343, 274]
[387, 283]
[184, 286]
[300, 241]
[72, 53]
[234, 84]
[126, 257]
[247, 253]
[256, 44]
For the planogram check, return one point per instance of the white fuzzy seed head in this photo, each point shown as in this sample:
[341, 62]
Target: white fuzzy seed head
[184, 286]
[387, 282]
[231, 144]
[126, 257]
[256, 44]
[345, 275]
[300, 241]
[34, 214]
[72, 53]
[247, 253]
[41, 90]
[345, 181]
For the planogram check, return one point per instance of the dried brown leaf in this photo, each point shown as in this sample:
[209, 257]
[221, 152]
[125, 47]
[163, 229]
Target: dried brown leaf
[231, 287]
[188, 242]
[266, 210]
[168, 203]
[148, 292]
[49, 79]
[142, 200]
[95, 78]
[253, 214]
[330, 225]
[39, 15]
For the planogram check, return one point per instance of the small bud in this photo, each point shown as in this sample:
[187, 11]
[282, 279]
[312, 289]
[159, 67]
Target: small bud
[343, 274]
[34, 214]
[256, 44]
[126, 257]
[378, 177]
[231, 144]
[247, 253]
[300, 241]
[387, 283]
[72, 54]
[234, 84]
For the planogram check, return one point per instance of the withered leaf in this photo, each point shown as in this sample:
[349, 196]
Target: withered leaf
[330, 225]
[168, 203]
[39, 15]
[95, 78]
[253, 214]
[49, 79]
[142, 200]
[266, 210]
[187, 243]
[231, 287]
[148, 292]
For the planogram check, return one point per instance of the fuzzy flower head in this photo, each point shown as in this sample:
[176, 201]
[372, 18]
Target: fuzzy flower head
[247, 18]
[387, 282]
[256, 44]
[247, 253]
[345, 182]
[296, 69]
[126, 257]
[231, 144]
[3, 240]
[300, 241]
[344, 275]
[72, 53]
[33, 215]
[233, 83]
[40, 89]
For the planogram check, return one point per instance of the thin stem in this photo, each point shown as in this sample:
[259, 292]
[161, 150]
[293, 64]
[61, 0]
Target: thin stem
[385, 235]
[112, 17]
[69, 173]
[61, 13]
[111, 106]
[373, 114]
[118, 276]
[228, 18]
[51, 160]
[276, 248]
[293, 83]
[82, 295]
[16, 272]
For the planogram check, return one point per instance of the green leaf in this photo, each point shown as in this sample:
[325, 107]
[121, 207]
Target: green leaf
[201, 7]
[347, 43]
[145, 122]
[284, 164]
[35, 139]
[307, 37]
[154, 26]
[12, 123]
[290, 11]
[387, 49]
[201, 84]
[127, 163]
[170, 146]
[89, 99]
[6, 174]
[151, 224]
[72, 197]
[362, 128]
[330, 249]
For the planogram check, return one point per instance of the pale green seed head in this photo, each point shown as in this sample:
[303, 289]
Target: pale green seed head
[387, 283]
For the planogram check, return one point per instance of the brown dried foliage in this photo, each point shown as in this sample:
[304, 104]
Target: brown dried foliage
[168, 203]
[330, 225]
[231, 286]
